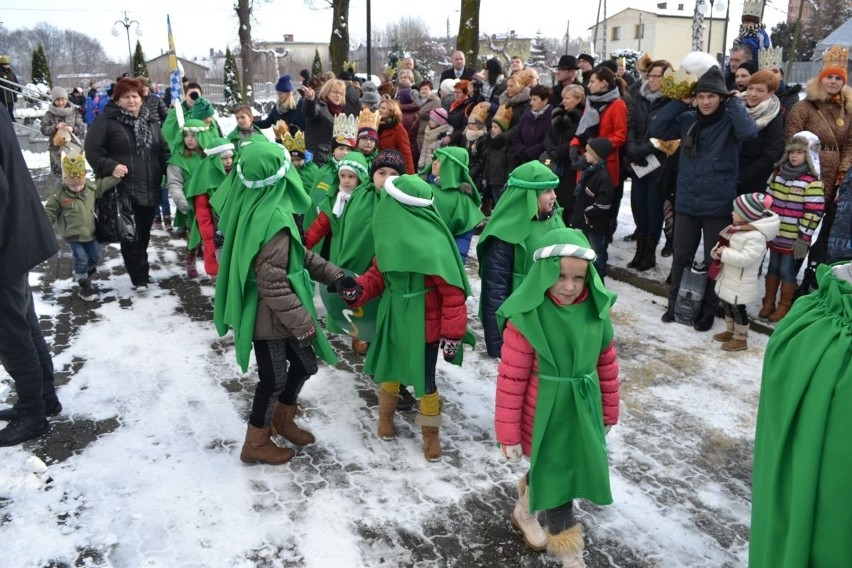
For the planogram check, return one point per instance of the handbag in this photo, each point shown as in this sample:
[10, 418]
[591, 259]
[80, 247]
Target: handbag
[557, 167]
[115, 221]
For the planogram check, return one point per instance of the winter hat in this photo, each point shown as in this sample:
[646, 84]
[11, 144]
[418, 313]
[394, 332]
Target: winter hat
[750, 66]
[439, 115]
[834, 62]
[356, 163]
[284, 84]
[503, 118]
[479, 114]
[610, 64]
[752, 206]
[809, 143]
[698, 63]
[447, 86]
[201, 109]
[586, 57]
[600, 147]
[568, 62]
[370, 94]
[712, 82]
[58, 93]
[388, 159]
[404, 96]
[494, 68]
[218, 146]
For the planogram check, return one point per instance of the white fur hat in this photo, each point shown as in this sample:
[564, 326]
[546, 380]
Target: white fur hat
[698, 62]
[809, 143]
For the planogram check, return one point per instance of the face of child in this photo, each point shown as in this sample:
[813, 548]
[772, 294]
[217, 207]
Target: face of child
[432, 124]
[340, 152]
[61, 102]
[572, 279]
[75, 185]
[381, 174]
[227, 161]
[436, 168]
[190, 141]
[366, 145]
[738, 220]
[348, 180]
[590, 157]
[546, 201]
[796, 158]
[496, 130]
[244, 121]
[297, 160]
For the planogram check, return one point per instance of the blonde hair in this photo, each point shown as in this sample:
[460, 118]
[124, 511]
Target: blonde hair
[289, 100]
[394, 108]
[407, 72]
[331, 84]
[578, 91]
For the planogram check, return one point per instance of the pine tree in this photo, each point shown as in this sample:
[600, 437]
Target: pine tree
[316, 68]
[233, 89]
[41, 71]
[538, 51]
[140, 68]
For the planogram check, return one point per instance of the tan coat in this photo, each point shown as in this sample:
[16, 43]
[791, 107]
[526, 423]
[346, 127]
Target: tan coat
[280, 314]
[836, 154]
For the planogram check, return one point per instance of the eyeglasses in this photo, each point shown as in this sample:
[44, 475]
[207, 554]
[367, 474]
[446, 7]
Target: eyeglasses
[655, 76]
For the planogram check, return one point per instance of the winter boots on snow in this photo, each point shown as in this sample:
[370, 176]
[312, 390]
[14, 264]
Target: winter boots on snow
[735, 336]
[728, 334]
[568, 546]
[87, 292]
[284, 425]
[526, 522]
[646, 253]
[788, 294]
[429, 426]
[772, 282]
[429, 421]
[189, 262]
[387, 409]
[259, 448]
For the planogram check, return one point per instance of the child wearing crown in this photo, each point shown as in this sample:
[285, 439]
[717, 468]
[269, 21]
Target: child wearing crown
[368, 135]
[301, 158]
[71, 206]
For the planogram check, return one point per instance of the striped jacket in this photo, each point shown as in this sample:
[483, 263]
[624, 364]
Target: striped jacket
[800, 204]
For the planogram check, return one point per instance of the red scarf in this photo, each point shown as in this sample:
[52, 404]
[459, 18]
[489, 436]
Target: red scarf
[333, 108]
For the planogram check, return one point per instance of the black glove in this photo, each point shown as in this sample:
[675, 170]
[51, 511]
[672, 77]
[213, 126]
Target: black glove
[561, 153]
[307, 338]
[450, 347]
[218, 239]
[641, 162]
[349, 289]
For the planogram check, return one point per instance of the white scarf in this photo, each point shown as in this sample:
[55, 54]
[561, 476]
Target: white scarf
[340, 203]
[764, 112]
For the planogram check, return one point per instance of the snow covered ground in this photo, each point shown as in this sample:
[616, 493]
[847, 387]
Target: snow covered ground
[142, 468]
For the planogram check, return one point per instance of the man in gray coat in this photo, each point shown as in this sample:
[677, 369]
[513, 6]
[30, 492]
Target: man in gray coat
[26, 239]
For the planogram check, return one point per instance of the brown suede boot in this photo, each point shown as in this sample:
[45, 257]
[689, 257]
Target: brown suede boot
[189, 264]
[284, 425]
[387, 408]
[740, 340]
[772, 282]
[568, 547]
[527, 522]
[728, 334]
[429, 426]
[788, 293]
[258, 448]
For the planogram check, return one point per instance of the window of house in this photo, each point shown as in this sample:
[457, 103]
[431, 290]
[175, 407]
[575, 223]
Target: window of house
[616, 32]
[639, 31]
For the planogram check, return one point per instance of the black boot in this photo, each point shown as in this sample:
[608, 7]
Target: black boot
[641, 240]
[406, 401]
[648, 260]
[9, 414]
[23, 428]
[704, 321]
[667, 249]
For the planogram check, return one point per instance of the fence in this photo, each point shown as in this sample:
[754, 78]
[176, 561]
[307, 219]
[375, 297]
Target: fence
[215, 93]
[802, 71]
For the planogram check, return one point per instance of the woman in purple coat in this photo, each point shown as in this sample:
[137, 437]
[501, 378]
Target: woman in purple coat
[532, 129]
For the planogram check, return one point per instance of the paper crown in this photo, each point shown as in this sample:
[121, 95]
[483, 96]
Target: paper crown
[368, 119]
[503, 117]
[280, 128]
[294, 143]
[752, 11]
[770, 57]
[835, 56]
[73, 165]
[678, 84]
[479, 114]
[345, 129]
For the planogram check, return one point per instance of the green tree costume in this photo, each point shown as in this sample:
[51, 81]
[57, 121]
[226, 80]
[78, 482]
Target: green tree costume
[459, 208]
[325, 182]
[802, 482]
[205, 135]
[405, 257]
[208, 176]
[568, 457]
[263, 194]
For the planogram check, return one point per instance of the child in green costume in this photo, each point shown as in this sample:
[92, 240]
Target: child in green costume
[422, 283]
[524, 213]
[301, 158]
[245, 128]
[557, 391]
[265, 292]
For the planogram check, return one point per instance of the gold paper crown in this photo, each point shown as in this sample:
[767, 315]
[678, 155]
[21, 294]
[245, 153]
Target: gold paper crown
[347, 65]
[280, 128]
[368, 119]
[770, 57]
[294, 143]
[678, 84]
[73, 165]
[345, 128]
[835, 56]
[479, 114]
[752, 10]
[503, 117]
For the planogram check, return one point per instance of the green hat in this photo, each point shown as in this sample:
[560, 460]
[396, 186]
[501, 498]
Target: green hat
[355, 162]
[455, 170]
[409, 190]
[533, 175]
[201, 109]
[219, 145]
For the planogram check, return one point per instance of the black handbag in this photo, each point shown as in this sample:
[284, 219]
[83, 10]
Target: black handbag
[115, 222]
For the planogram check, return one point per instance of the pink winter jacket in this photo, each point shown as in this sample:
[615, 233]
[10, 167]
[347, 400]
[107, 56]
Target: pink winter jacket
[517, 388]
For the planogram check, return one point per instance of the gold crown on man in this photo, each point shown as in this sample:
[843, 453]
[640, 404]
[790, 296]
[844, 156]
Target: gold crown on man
[770, 57]
[294, 143]
[835, 56]
[74, 166]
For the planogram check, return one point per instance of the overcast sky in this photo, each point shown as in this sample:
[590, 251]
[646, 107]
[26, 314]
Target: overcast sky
[199, 26]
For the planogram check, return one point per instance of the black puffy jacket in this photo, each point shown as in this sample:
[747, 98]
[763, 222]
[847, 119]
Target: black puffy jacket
[758, 156]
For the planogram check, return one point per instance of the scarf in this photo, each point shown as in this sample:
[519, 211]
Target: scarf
[141, 129]
[61, 112]
[587, 173]
[595, 105]
[764, 112]
[431, 135]
[457, 104]
[645, 92]
[340, 203]
[473, 135]
[333, 108]
[537, 114]
[690, 141]
[787, 171]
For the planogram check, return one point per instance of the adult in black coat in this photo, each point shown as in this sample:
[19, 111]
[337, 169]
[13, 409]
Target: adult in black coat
[557, 145]
[26, 239]
[759, 155]
[125, 141]
[458, 70]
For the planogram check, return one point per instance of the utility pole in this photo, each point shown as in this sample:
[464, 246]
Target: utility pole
[597, 25]
[369, 43]
[641, 32]
[567, 35]
[603, 53]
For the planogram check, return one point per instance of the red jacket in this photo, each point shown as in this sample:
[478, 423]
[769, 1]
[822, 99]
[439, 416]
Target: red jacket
[446, 312]
[319, 229]
[396, 138]
[517, 389]
[204, 219]
[614, 127]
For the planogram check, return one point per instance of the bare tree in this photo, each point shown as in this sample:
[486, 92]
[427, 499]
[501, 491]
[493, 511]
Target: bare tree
[468, 38]
[81, 54]
[338, 45]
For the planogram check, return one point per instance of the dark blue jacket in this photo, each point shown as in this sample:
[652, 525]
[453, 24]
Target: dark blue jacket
[294, 118]
[707, 183]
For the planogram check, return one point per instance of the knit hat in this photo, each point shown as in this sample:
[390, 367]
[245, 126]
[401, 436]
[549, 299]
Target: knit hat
[698, 63]
[447, 86]
[284, 84]
[388, 159]
[503, 117]
[479, 114]
[403, 95]
[219, 146]
[58, 93]
[370, 94]
[712, 82]
[600, 147]
[568, 62]
[834, 62]
[439, 115]
[752, 206]
[809, 143]
[356, 163]
[586, 57]
[201, 109]
[610, 64]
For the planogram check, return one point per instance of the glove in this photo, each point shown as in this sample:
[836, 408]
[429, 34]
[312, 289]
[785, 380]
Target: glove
[512, 453]
[641, 162]
[218, 239]
[349, 289]
[577, 161]
[307, 338]
[800, 249]
[607, 428]
[450, 347]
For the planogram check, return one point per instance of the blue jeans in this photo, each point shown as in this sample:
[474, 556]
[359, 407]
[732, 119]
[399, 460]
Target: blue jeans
[163, 209]
[647, 204]
[783, 265]
[86, 257]
[599, 244]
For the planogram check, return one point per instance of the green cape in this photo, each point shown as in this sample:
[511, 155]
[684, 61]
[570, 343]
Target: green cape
[352, 233]
[459, 210]
[209, 176]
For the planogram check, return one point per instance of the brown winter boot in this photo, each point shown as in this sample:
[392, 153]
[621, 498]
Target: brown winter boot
[772, 282]
[189, 263]
[728, 334]
[284, 425]
[568, 547]
[258, 448]
[739, 341]
[429, 426]
[788, 293]
[387, 408]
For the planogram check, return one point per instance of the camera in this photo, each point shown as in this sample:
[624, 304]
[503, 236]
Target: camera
[194, 95]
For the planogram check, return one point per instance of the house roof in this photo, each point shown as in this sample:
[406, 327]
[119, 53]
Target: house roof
[677, 10]
[181, 59]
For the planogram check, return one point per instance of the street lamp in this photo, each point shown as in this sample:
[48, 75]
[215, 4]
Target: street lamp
[702, 8]
[127, 23]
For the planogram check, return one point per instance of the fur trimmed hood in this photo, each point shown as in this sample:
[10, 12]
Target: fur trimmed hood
[814, 93]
